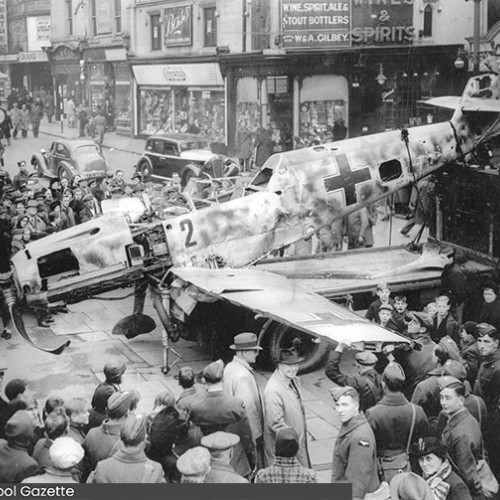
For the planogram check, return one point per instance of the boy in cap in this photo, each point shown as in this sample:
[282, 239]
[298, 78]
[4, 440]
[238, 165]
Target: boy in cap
[284, 406]
[385, 312]
[396, 423]
[367, 382]
[218, 410]
[285, 467]
[220, 444]
[65, 454]
[194, 465]
[239, 380]
[129, 463]
[354, 454]
[383, 297]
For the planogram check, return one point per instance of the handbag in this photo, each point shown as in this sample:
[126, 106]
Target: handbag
[381, 493]
[489, 482]
[390, 466]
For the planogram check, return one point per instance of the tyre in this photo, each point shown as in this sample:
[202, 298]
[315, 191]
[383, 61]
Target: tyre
[64, 172]
[38, 167]
[284, 337]
[145, 170]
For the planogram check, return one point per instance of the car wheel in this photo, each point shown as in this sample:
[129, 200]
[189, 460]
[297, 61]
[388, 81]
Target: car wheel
[64, 172]
[38, 167]
[145, 170]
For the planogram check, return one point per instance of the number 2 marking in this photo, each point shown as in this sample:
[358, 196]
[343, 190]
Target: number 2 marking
[188, 224]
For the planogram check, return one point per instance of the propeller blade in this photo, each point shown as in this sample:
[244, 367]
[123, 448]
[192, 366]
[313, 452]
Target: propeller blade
[18, 322]
[133, 325]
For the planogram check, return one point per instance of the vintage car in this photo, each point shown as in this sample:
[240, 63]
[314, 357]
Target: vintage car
[186, 154]
[70, 157]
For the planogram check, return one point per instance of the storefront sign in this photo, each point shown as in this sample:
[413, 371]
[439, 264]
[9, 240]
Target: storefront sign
[43, 28]
[177, 24]
[308, 25]
[205, 74]
[3, 26]
[26, 57]
[103, 17]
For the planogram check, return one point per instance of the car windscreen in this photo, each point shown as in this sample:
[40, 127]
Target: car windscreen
[87, 149]
[199, 144]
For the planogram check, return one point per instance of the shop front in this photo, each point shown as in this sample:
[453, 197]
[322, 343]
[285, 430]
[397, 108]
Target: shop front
[186, 98]
[31, 70]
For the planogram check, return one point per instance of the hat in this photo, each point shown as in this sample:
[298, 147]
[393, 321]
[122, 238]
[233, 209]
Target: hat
[14, 387]
[134, 429]
[246, 340]
[88, 197]
[491, 285]
[471, 328]
[386, 307]
[451, 348]
[119, 403]
[21, 163]
[410, 486]
[486, 329]
[338, 392]
[39, 194]
[16, 194]
[32, 204]
[289, 357]
[446, 381]
[455, 369]
[214, 371]
[287, 442]
[394, 372]
[19, 428]
[424, 319]
[220, 440]
[116, 189]
[366, 358]
[136, 175]
[426, 446]
[65, 453]
[194, 461]
[114, 370]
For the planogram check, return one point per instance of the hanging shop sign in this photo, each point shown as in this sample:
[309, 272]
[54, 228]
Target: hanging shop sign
[103, 17]
[3, 26]
[178, 25]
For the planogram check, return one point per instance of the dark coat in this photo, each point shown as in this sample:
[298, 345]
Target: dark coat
[367, 397]
[458, 489]
[218, 411]
[453, 283]
[355, 457]
[449, 326]
[488, 381]
[189, 396]
[15, 463]
[427, 394]
[462, 438]
[490, 313]
[473, 360]
[390, 420]
[101, 440]
[127, 465]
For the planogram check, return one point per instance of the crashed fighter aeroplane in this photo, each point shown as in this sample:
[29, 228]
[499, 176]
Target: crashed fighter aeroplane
[205, 256]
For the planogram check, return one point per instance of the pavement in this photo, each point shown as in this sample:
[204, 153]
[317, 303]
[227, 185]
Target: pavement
[89, 326]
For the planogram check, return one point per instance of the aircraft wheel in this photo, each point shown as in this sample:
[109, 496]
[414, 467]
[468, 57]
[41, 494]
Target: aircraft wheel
[313, 354]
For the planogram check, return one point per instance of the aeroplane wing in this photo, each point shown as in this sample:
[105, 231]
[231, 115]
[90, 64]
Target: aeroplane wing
[287, 302]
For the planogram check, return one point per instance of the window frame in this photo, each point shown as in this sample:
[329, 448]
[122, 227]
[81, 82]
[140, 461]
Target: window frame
[69, 9]
[157, 39]
[118, 16]
[428, 21]
[209, 40]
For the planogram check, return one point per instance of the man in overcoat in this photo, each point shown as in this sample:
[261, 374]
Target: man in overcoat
[284, 407]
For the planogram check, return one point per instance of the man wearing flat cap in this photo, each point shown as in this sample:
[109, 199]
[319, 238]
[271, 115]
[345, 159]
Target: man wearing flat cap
[367, 382]
[354, 453]
[101, 440]
[113, 371]
[396, 423]
[129, 463]
[284, 406]
[194, 465]
[285, 467]
[219, 411]
[220, 444]
[239, 380]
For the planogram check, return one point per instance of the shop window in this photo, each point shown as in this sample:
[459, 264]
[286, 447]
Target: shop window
[155, 32]
[93, 16]
[118, 16]
[69, 11]
[210, 27]
[390, 170]
[427, 21]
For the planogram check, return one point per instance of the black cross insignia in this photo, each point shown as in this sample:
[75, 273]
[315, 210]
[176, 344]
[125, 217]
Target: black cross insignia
[346, 179]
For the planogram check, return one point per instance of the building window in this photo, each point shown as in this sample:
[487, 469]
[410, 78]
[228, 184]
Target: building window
[118, 16]
[210, 27]
[428, 21]
[155, 32]
[93, 16]
[69, 10]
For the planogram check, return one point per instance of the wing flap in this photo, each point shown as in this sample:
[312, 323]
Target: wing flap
[287, 302]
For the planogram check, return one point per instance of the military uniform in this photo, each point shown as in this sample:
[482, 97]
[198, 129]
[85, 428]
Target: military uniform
[355, 457]
[190, 396]
[427, 394]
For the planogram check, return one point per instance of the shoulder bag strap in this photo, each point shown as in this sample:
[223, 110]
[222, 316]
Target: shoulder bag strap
[373, 388]
[413, 417]
[479, 411]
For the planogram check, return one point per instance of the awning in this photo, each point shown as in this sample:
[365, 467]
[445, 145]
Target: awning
[203, 74]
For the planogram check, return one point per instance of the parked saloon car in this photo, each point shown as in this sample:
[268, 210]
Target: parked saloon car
[70, 157]
[182, 153]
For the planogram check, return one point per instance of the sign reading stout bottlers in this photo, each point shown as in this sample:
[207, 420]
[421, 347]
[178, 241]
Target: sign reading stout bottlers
[308, 25]
[177, 25]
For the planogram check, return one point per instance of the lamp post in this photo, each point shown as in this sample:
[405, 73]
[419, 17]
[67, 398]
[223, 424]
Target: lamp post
[475, 42]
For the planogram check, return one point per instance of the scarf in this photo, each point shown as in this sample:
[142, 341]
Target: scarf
[440, 488]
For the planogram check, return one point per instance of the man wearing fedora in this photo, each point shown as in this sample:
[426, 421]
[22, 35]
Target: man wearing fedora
[284, 407]
[239, 381]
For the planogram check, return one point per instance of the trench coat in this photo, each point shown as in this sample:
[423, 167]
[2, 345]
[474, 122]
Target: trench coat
[355, 457]
[284, 408]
